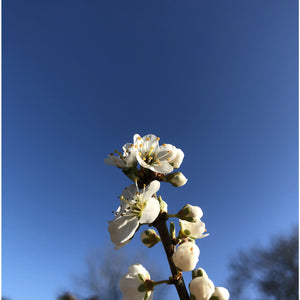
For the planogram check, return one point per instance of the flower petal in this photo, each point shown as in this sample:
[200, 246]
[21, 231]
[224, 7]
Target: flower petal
[151, 189]
[129, 193]
[176, 162]
[167, 152]
[150, 212]
[122, 229]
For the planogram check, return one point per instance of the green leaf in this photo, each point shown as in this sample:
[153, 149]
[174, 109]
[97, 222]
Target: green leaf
[141, 277]
[146, 241]
[147, 295]
[187, 232]
[142, 288]
[186, 210]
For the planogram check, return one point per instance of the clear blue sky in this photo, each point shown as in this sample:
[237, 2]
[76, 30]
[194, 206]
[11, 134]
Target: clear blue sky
[217, 79]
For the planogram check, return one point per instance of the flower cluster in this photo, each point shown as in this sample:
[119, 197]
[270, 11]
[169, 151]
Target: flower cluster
[156, 161]
[202, 288]
[148, 163]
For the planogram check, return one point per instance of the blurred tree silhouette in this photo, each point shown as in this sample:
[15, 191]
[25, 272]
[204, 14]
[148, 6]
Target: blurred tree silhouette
[103, 271]
[66, 296]
[272, 271]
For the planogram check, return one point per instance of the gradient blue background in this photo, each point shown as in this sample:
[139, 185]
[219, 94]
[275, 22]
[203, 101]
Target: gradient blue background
[218, 79]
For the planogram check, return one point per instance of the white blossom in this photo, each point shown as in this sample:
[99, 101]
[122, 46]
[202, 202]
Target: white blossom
[221, 293]
[201, 288]
[131, 282]
[160, 159]
[136, 208]
[186, 256]
[193, 229]
[125, 160]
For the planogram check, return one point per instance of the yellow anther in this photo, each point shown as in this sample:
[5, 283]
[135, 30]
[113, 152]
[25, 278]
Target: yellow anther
[164, 145]
[135, 146]
[148, 139]
[168, 159]
[144, 158]
[139, 138]
[157, 160]
[140, 153]
[205, 230]
[157, 138]
[141, 145]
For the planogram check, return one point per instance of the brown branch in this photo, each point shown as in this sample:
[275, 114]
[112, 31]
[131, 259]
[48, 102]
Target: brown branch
[161, 225]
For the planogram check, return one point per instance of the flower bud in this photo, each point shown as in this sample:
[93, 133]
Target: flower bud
[150, 238]
[199, 273]
[201, 288]
[186, 256]
[221, 293]
[136, 284]
[176, 179]
[190, 213]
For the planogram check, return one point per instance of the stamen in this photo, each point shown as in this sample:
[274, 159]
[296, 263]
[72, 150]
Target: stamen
[137, 188]
[141, 145]
[148, 139]
[157, 138]
[116, 151]
[151, 149]
[164, 145]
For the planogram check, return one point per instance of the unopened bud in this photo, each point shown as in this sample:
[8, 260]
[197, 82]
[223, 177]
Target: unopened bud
[220, 293]
[176, 179]
[190, 213]
[199, 273]
[201, 288]
[186, 256]
[150, 238]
